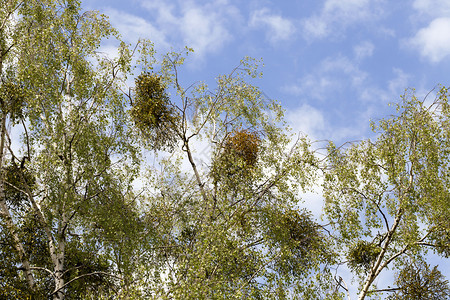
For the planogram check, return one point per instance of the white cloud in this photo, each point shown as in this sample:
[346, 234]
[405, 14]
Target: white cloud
[337, 15]
[399, 82]
[389, 92]
[15, 133]
[279, 28]
[346, 66]
[313, 85]
[204, 27]
[109, 50]
[313, 200]
[342, 80]
[162, 10]
[432, 7]
[316, 27]
[132, 28]
[363, 50]
[306, 119]
[312, 122]
[334, 76]
[433, 41]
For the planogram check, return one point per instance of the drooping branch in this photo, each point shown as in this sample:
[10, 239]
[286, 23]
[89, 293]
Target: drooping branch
[81, 276]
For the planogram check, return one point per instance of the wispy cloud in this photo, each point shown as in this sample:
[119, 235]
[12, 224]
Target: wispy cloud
[337, 15]
[132, 28]
[331, 75]
[434, 8]
[399, 82]
[204, 27]
[363, 50]
[327, 83]
[278, 28]
[313, 122]
[331, 80]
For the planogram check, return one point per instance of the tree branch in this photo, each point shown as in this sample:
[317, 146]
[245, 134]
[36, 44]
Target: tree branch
[383, 290]
[84, 275]
[44, 269]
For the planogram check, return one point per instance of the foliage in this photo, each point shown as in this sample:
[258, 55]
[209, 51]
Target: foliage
[417, 281]
[16, 177]
[244, 145]
[298, 238]
[362, 255]
[12, 282]
[12, 99]
[83, 258]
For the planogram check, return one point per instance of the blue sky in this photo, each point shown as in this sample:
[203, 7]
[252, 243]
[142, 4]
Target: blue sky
[334, 65]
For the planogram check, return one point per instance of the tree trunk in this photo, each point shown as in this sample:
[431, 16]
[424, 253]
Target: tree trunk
[59, 265]
[59, 280]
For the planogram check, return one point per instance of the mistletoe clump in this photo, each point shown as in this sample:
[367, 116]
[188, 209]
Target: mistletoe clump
[297, 236]
[12, 100]
[239, 155]
[244, 145]
[362, 254]
[153, 114]
[16, 178]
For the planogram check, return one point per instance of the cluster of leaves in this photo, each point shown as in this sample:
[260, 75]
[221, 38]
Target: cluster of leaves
[12, 100]
[244, 145]
[16, 178]
[441, 237]
[153, 114]
[416, 281]
[83, 258]
[238, 157]
[298, 239]
[12, 285]
[362, 254]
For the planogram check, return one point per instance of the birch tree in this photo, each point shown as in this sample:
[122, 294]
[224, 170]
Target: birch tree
[388, 198]
[69, 186]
